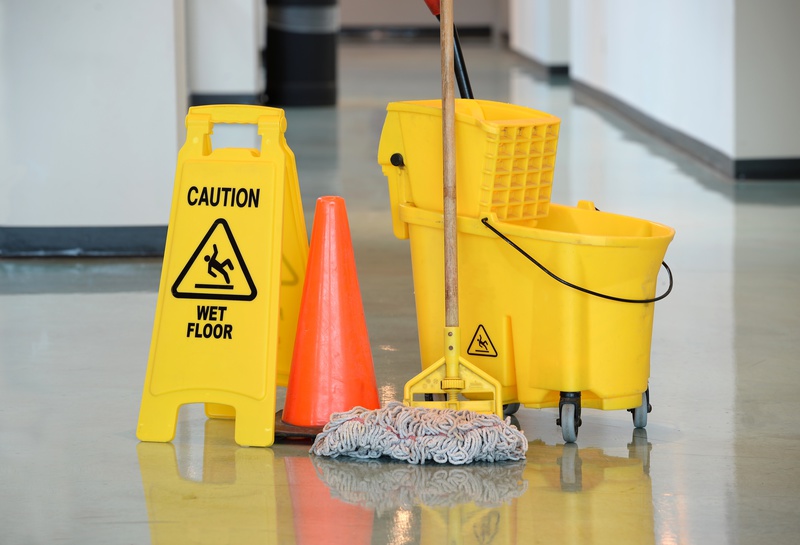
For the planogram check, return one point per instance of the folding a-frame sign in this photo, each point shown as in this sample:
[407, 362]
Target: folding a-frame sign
[232, 280]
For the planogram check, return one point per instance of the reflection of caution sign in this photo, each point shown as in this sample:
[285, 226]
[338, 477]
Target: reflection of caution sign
[481, 344]
[216, 270]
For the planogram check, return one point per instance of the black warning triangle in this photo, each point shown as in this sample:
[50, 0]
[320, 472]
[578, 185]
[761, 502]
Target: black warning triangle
[220, 274]
[481, 344]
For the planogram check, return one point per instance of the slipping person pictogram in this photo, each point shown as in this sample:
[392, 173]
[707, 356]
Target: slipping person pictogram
[481, 344]
[218, 257]
[213, 265]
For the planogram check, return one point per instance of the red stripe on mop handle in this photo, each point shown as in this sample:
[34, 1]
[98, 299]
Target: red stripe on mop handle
[434, 6]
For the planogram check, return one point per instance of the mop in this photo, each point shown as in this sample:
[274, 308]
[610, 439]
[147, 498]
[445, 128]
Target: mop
[421, 431]
[419, 434]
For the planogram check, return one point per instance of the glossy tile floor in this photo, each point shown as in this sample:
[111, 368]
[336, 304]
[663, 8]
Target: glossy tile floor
[719, 461]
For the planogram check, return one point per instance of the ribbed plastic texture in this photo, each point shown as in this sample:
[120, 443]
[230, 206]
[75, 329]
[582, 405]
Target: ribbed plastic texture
[518, 171]
[505, 157]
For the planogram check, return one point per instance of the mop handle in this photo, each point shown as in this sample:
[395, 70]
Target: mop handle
[462, 78]
[449, 164]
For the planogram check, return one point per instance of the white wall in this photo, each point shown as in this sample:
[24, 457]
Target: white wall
[224, 44]
[721, 71]
[92, 101]
[671, 60]
[539, 30]
[767, 79]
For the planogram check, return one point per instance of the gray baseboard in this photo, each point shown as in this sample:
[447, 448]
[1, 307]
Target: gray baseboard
[555, 74]
[201, 99]
[767, 169]
[142, 241]
[743, 169]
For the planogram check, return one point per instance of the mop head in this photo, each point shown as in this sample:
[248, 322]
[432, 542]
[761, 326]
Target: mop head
[417, 435]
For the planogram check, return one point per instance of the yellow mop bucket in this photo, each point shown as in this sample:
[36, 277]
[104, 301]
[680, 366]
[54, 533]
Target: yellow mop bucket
[544, 341]
[581, 341]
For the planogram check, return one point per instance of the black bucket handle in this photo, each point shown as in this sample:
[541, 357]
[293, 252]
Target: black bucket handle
[552, 275]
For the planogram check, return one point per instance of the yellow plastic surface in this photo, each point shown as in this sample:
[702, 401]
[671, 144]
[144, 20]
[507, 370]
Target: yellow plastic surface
[454, 383]
[536, 336]
[293, 272]
[505, 158]
[233, 266]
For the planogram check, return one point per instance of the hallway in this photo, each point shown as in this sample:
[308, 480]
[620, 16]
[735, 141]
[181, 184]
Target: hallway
[719, 461]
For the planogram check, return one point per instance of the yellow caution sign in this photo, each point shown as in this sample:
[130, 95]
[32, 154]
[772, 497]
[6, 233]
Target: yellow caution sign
[232, 280]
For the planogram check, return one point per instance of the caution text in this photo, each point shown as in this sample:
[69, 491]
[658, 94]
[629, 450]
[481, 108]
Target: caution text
[223, 196]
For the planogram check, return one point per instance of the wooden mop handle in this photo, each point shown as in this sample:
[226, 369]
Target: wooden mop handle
[449, 163]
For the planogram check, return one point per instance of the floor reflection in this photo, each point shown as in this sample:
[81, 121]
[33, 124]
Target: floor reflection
[318, 516]
[560, 494]
[232, 501]
[447, 504]
[583, 495]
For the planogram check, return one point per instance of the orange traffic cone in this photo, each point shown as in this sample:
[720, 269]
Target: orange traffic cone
[332, 369]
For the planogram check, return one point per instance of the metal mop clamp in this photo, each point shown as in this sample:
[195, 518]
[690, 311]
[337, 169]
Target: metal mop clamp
[465, 385]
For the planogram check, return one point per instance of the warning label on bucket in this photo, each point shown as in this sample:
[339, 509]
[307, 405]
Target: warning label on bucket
[216, 270]
[481, 344]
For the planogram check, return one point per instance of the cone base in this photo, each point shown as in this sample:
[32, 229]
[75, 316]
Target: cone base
[290, 431]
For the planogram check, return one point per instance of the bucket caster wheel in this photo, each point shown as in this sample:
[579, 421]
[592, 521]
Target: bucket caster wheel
[640, 413]
[569, 415]
[569, 423]
[510, 408]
